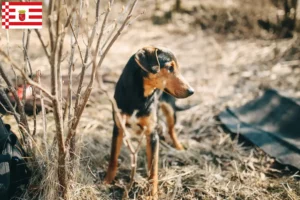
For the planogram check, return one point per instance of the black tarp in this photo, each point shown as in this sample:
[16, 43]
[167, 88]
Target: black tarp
[272, 122]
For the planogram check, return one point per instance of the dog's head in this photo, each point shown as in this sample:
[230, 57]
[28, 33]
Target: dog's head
[162, 72]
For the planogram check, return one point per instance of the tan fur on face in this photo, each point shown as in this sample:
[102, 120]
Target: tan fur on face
[171, 82]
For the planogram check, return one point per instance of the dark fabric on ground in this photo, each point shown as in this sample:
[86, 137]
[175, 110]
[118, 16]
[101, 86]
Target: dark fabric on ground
[272, 122]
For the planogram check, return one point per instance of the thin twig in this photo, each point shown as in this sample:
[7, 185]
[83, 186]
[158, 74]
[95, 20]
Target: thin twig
[117, 34]
[25, 49]
[44, 118]
[69, 102]
[34, 110]
[103, 27]
[25, 70]
[28, 65]
[20, 107]
[10, 106]
[87, 53]
[7, 51]
[57, 108]
[72, 130]
[43, 43]
[120, 122]
[177, 185]
[50, 30]
[60, 52]
[29, 80]
[176, 176]
[7, 111]
[134, 153]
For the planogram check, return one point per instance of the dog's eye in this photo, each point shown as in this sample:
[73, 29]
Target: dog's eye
[171, 69]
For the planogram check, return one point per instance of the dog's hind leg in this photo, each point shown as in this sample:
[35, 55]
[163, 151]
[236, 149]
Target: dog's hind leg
[117, 140]
[170, 116]
[152, 158]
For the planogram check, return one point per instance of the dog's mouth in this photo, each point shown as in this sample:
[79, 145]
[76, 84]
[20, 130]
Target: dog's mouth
[179, 94]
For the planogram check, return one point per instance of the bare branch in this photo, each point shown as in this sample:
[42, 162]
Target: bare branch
[60, 52]
[103, 27]
[50, 30]
[7, 51]
[34, 110]
[20, 107]
[57, 109]
[7, 111]
[94, 70]
[10, 106]
[44, 118]
[117, 34]
[43, 43]
[120, 121]
[29, 80]
[69, 102]
[87, 53]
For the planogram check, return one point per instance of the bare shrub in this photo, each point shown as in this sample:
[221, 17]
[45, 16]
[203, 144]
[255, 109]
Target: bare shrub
[55, 164]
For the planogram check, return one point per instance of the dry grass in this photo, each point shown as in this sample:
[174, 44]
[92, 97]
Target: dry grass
[224, 71]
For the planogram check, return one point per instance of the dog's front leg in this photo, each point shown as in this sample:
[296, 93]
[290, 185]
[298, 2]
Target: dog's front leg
[115, 152]
[152, 158]
[171, 119]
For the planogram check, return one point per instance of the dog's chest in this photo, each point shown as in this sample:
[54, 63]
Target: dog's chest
[138, 125]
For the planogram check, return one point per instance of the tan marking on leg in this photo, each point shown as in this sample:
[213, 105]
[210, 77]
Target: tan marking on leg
[169, 113]
[115, 152]
[152, 161]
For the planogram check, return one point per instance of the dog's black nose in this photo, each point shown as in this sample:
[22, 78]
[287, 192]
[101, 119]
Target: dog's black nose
[190, 91]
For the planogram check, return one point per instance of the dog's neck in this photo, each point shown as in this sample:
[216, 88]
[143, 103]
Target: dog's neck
[130, 93]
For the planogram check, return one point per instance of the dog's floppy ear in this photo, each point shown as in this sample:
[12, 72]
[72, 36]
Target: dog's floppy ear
[147, 59]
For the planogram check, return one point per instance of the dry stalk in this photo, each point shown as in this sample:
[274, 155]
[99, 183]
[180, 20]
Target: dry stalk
[117, 115]
[44, 118]
[10, 106]
[70, 131]
[69, 102]
[60, 52]
[56, 103]
[121, 121]
[19, 103]
[54, 55]
[7, 111]
[87, 53]
[103, 26]
[43, 43]
[134, 153]
[7, 51]
[26, 62]
[34, 110]
[88, 90]
[29, 80]
[50, 29]
[117, 34]
[28, 65]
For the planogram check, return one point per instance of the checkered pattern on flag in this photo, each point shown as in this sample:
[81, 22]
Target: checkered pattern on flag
[22, 15]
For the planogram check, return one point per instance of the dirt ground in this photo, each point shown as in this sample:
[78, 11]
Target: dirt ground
[228, 61]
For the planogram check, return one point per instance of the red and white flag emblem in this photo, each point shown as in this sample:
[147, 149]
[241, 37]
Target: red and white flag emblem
[22, 15]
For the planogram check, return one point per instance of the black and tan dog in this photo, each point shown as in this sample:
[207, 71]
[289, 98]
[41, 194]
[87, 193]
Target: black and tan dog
[149, 70]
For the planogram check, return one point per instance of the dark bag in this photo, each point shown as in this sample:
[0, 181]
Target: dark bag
[13, 170]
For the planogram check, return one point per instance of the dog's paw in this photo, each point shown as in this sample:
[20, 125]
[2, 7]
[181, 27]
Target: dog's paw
[179, 147]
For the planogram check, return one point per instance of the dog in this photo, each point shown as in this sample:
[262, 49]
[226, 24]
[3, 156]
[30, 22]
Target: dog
[149, 71]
